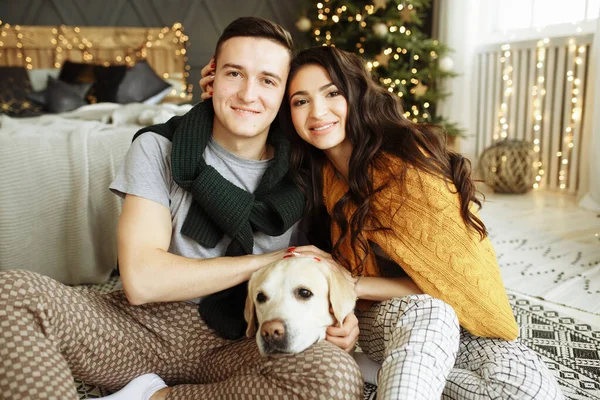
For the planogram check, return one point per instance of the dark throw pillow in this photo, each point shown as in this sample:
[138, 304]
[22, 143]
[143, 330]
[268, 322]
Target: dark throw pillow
[140, 83]
[80, 89]
[37, 97]
[105, 80]
[14, 88]
[62, 96]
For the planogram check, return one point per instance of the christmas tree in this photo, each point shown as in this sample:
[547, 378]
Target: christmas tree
[389, 35]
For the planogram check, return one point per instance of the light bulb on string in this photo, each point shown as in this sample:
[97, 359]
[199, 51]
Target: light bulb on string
[538, 92]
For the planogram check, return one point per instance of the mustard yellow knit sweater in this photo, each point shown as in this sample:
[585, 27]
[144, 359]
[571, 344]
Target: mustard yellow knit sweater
[429, 239]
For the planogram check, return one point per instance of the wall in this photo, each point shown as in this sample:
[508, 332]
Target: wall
[461, 37]
[203, 20]
[465, 26]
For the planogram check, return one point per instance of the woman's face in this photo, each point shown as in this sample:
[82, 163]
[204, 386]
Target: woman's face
[318, 109]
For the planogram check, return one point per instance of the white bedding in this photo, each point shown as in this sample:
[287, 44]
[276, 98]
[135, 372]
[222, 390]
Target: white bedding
[57, 216]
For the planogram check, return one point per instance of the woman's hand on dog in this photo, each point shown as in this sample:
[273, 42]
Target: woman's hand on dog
[346, 336]
[320, 255]
[262, 260]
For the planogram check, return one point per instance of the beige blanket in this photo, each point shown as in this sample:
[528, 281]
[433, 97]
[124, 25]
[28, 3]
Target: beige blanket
[57, 216]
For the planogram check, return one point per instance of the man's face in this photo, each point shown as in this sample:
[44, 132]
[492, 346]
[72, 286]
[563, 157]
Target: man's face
[249, 86]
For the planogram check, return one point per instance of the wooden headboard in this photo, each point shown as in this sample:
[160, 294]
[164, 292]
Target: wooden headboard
[37, 47]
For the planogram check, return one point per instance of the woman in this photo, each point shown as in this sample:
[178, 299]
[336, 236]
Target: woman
[397, 210]
[400, 202]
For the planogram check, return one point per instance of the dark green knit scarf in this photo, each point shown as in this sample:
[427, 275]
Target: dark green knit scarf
[221, 208]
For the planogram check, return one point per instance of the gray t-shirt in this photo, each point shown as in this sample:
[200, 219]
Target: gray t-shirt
[146, 172]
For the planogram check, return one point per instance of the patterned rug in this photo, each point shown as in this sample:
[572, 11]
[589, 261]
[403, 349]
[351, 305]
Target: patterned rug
[569, 346]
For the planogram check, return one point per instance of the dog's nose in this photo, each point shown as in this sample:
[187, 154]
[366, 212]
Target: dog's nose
[273, 330]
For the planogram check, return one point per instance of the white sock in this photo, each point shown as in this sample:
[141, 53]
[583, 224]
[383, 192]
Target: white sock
[141, 388]
[368, 367]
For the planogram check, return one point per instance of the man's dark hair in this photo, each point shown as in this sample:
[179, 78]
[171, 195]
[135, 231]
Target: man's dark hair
[259, 28]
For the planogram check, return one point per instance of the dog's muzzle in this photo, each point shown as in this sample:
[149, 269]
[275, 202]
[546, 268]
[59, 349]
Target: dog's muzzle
[274, 337]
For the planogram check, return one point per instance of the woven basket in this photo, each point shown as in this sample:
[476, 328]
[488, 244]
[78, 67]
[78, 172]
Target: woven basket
[508, 166]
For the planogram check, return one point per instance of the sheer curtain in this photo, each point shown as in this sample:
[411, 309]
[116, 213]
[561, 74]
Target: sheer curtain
[459, 28]
[589, 192]
[464, 25]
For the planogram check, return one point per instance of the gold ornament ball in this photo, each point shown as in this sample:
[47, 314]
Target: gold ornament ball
[445, 64]
[303, 24]
[380, 29]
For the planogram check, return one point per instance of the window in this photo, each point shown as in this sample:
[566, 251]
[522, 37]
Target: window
[527, 19]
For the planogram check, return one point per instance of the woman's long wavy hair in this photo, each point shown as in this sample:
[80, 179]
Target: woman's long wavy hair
[375, 123]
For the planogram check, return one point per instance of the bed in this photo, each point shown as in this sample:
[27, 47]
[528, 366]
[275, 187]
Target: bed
[98, 86]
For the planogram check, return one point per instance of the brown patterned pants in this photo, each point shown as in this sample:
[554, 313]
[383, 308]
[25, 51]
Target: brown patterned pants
[50, 333]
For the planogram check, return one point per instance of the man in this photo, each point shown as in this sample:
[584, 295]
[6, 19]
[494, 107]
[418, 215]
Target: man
[206, 204]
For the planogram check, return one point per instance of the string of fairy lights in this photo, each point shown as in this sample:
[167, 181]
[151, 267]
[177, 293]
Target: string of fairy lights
[65, 38]
[573, 102]
[576, 106]
[326, 12]
[16, 31]
[506, 88]
[538, 92]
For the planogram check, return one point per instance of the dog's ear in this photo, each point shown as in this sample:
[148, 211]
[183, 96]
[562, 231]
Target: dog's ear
[341, 295]
[250, 313]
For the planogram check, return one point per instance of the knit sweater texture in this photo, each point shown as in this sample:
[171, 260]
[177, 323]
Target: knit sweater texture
[430, 241]
[219, 206]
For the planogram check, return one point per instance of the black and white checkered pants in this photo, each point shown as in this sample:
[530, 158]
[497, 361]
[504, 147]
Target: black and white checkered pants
[426, 355]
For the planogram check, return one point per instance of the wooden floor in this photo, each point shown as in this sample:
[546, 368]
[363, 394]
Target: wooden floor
[541, 215]
[551, 212]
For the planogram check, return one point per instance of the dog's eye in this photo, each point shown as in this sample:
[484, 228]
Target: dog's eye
[304, 293]
[261, 297]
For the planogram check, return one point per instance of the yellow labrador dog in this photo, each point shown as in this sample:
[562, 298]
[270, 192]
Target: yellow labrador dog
[289, 300]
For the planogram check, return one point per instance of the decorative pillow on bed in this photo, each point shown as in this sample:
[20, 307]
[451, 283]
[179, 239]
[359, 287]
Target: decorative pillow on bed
[14, 87]
[62, 97]
[159, 97]
[105, 80]
[37, 97]
[140, 83]
[39, 77]
[56, 91]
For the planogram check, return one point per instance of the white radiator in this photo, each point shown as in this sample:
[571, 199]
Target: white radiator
[536, 91]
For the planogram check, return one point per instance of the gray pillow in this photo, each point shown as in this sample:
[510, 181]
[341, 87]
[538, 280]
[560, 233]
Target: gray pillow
[140, 83]
[37, 97]
[62, 96]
